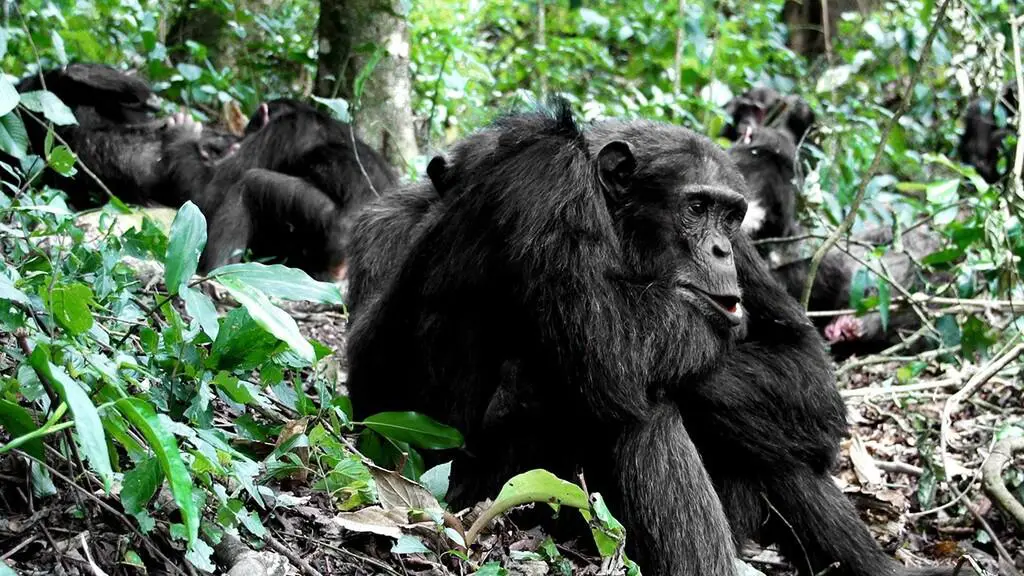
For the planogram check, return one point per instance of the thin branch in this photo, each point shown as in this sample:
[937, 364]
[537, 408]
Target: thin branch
[992, 474]
[851, 216]
[78, 160]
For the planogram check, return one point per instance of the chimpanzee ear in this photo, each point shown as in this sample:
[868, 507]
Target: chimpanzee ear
[615, 166]
[436, 171]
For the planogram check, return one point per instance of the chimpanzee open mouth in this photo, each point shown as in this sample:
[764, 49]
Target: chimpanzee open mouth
[727, 304]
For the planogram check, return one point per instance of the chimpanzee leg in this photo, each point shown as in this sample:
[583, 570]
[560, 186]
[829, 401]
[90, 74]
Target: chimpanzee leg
[674, 521]
[286, 215]
[811, 520]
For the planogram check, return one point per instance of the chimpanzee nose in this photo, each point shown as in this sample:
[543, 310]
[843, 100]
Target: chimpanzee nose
[721, 248]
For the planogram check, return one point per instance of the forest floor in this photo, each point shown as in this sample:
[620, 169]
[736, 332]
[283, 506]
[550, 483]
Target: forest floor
[882, 469]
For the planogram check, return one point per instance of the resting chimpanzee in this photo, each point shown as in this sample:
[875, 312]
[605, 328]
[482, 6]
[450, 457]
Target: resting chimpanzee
[116, 136]
[763, 106]
[983, 143]
[546, 313]
[385, 229]
[833, 283]
[289, 191]
[767, 159]
[563, 275]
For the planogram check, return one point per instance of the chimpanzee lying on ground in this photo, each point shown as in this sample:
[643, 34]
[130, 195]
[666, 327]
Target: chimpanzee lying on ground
[116, 136]
[289, 191]
[572, 301]
[986, 127]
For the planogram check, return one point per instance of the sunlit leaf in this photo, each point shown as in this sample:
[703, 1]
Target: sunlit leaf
[270, 317]
[50, 106]
[416, 429]
[281, 282]
[185, 244]
[9, 97]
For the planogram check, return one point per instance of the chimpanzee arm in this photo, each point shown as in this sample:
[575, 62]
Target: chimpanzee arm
[774, 400]
[667, 499]
[265, 202]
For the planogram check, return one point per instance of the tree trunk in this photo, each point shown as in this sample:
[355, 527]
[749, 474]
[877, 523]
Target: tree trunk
[383, 111]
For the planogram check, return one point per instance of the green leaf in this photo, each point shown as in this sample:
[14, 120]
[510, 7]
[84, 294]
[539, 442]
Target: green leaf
[491, 569]
[338, 106]
[13, 137]
[141, 414]
[270, 317]
[281, 282]
[884, 299]
[366, 72]
[541, 486]
[416, 429]
[233, 387]
[18, 422]
[6, 570]
[190, 72]
[9, 292]
[201, 307]
[140, 484]
[186, 242]
[859, 285]
[942, 257]
[409, 544]
[242, 344]
[91, 439]
[62, 160]
[943, 193]
[436, 479]
[50, 106]
[70, 307]
[58, 47]
[9, 97]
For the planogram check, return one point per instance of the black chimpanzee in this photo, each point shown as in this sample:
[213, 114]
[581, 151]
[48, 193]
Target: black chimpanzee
[983, 143]
[849, 334]
[116, 136]
[763, 106]
[563, 309]
[767, 159]
[289, 192]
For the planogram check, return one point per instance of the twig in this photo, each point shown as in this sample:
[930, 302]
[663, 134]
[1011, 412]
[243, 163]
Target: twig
[851, 216]
[992, 474]
[895, 390]
[294, 558]
[78, 160]
[128, 523]
[972, 386]
[900, 468]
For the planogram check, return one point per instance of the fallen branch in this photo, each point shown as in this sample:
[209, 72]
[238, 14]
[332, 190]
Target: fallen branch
[992, 474]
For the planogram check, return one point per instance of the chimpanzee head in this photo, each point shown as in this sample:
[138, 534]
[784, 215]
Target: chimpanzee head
[98, 93]
[267, 111]
[676, 201]
[749, 110]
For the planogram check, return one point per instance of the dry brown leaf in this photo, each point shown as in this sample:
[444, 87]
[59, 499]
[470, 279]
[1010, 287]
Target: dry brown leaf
[233, 118]
[290, 429]
[863, 464]
[398, 493]
[372, 519]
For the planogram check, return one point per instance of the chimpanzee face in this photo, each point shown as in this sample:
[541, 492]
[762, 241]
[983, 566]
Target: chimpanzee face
[677, 204]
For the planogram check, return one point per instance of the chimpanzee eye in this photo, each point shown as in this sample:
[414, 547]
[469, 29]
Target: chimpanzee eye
[699, 207]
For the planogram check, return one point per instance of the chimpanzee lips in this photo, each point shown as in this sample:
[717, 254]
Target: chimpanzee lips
[727, 304]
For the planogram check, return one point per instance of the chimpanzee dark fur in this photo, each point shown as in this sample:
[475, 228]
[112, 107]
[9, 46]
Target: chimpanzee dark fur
[767, 160]
[549, 286]
[982, 144]
[765, 107]
[288, 193]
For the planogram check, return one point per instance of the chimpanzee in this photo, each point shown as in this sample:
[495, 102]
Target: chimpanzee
[116, 136]
[983, 143]
[767, 159]
[763, 106]
[848, 334]
[385, 229]
[554, 283]
[289, 191]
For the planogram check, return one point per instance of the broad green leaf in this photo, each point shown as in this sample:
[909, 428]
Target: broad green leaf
[70, 307]
[541, 486]
[416, 429]
[140, 484]
[242, 344]
[62, 160]
[13, 137]
[338, 106]
[201, 307]
[942, 193]
[233, 387]
[190, 72]
[58, 47]
[859, 285]
[18, 422]
[942, 256]
[186, 242]
[9, 97]
[91, 439]
[436, 479]
[608, 533]
[141, 414]
[6, 570]
[9, 292]
[50, 106]
[409, 544]
[281, 282]
[270, 317]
